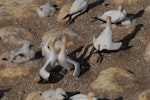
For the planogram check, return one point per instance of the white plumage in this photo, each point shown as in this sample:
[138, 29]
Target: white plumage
[78, 7]
[65, 61]
[51, 58]
[21, 55]
[54, 94]
[104, 40]
[46, 10]
[116, 15]
[90, 96]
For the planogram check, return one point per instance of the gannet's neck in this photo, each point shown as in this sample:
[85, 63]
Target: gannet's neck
[51, 44]
[90, 95]
[108, 21]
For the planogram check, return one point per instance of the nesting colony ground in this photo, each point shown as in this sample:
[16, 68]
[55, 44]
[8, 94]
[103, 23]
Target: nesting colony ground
[19, 80]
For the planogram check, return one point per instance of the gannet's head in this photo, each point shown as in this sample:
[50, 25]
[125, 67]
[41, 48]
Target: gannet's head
[52, 42]
[64, 40]
[90, 95]
[120, 7]
[44, 75]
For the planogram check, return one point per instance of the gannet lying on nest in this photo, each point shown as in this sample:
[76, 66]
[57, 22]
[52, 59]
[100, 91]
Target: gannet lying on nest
[54, 94]
[21, 55]
[49, 53]
[89, 96]
[46, 9]
[66, 62]
[78, 7]
[104, 40]
[116, 15]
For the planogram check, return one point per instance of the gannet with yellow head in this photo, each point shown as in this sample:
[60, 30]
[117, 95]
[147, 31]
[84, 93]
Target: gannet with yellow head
[65, 61]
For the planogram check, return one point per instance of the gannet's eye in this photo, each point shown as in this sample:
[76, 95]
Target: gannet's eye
[41, 8]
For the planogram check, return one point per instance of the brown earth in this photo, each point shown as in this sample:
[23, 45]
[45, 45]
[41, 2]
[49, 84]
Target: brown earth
[135, 35]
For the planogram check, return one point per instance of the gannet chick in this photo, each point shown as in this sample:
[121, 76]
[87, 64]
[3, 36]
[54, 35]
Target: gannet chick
[51, 58]
[21, 55]
[104, 40]
[116, 15]
[78, 7]
[66, 62]
[46, 9]
[54, 94]
[89, 96]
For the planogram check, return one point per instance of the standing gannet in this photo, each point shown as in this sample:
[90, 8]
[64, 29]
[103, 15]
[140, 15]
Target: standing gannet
[21, 55]
[78, 7]
[46, 9]
[51, 58]
[89, 96]
[104, 40]
[116, 15]
[66, 62]
[54, 94]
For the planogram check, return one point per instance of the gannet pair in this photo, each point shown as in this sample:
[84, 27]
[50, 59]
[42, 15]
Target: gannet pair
[89, 96]
[78, 7]
[46, 9]
[104, 40]
[62, 58]
[54, 94]
[116, 15]
[21, 55]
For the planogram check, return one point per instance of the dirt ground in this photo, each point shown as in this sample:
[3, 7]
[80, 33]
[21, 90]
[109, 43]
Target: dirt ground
[135, 35]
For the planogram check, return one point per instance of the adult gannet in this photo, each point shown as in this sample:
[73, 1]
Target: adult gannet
[104, 40]
[54, 94]
[116, 15]
[51, 58]
[78, 7]
[46, 9]
[21, 55]
[66, 62]
[89, 96]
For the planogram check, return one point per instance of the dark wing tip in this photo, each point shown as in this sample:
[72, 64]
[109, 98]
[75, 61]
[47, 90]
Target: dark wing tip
[4, 59]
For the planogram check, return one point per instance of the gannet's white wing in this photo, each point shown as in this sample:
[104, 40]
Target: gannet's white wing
[114, 46]
[78, 5]
[76, 72]
[114, 14]
[78, 97]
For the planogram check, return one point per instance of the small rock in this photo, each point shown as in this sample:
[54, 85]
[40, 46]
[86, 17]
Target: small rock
[70, 35]
[114, 82]
[145, 95]
[15, 35]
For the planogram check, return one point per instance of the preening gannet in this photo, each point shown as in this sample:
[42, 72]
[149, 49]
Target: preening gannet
[54, 94]
[65, 61]
[51, 58]
[104, 40]
[89, 96]
[46, 9]
[21, 55]
[78, 7]
[116, 15]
